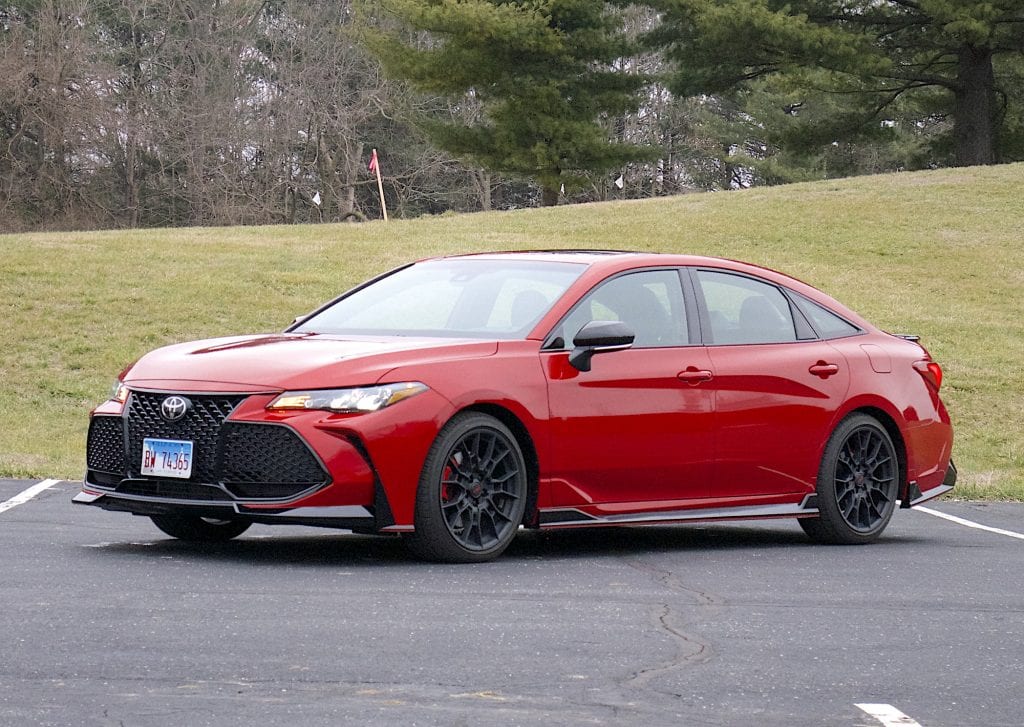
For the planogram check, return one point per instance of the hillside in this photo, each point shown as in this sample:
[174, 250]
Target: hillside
[939, 254]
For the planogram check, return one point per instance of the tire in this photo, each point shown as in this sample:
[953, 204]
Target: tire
[199, 529]
[858, 483]
[472, 492]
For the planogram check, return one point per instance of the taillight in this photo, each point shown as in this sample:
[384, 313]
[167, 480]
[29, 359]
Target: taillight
[931, 372]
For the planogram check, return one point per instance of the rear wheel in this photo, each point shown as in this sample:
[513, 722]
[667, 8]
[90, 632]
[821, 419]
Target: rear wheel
[858, 483]
[199, 529]
[472, 492]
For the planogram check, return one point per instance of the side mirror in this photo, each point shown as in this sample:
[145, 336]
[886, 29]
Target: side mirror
[599, 337]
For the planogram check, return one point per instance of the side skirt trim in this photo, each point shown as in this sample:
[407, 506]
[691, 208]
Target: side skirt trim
[573, 517]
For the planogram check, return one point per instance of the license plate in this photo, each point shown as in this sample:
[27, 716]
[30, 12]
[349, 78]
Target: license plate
[167, 458]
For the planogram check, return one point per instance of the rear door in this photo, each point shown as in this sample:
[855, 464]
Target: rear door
[777, 387]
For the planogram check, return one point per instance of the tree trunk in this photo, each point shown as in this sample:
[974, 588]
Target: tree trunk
[482, 183]
[347, 204]
[327, 168]
[289, 204]
[131, 181]
[728, 172]
[974, 112]
[549, 196]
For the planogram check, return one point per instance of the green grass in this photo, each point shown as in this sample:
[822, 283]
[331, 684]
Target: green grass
[939, 254]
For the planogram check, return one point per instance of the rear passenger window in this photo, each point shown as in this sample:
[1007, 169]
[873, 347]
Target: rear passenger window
[825, 322]
[744, 310]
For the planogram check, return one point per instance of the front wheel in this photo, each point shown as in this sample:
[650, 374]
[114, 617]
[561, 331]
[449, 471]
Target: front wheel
[858, 483]
[199, 529]
[472, 492]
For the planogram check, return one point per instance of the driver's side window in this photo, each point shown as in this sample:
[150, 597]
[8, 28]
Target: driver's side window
[649, 302]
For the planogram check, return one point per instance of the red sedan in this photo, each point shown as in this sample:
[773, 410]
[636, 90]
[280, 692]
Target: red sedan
[458, 399]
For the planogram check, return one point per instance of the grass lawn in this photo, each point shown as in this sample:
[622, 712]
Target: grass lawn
[939, 254]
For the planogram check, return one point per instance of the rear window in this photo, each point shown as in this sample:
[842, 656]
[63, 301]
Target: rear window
[742, 310]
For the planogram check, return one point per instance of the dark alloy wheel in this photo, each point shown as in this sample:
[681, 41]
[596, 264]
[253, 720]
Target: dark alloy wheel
[472, 492]
[199, 529]
[858, 483]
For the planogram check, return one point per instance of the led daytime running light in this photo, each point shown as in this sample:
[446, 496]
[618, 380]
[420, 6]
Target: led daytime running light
[347, 401]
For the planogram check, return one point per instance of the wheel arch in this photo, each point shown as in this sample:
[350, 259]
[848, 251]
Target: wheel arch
[526, 444]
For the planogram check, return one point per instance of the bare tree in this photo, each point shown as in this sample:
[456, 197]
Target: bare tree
[48, 104]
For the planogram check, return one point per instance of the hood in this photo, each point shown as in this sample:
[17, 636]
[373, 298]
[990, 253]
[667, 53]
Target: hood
[290, 361]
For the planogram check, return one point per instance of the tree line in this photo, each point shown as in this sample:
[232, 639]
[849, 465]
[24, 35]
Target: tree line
[129, 113]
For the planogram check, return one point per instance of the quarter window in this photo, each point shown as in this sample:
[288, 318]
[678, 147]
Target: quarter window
[743, 310]
[825, 322]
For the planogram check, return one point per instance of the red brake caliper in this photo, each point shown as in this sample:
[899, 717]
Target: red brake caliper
[446, 492]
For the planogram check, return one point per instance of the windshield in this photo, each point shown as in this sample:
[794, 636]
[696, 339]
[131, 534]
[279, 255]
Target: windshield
[456, 298]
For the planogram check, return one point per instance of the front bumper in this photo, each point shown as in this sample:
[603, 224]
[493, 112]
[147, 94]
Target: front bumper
[246, 465]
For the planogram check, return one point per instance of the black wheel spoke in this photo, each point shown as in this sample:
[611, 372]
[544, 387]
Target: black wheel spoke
[493, 462]
[455, 508]
[487, 518]
[489, 455]
[874, 511]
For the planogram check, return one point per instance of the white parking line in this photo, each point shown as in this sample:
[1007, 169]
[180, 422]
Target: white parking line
[25, 495]
[970, 523]
[888, 715]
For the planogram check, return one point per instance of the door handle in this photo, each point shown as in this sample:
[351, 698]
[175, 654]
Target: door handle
[824, 369]
[694, 376]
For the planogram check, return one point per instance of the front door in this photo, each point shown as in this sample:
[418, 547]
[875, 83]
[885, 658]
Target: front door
[635, 431]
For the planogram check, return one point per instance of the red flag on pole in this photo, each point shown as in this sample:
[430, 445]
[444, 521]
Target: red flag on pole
[375, 168]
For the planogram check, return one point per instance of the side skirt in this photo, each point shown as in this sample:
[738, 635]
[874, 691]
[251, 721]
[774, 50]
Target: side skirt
[574, 518]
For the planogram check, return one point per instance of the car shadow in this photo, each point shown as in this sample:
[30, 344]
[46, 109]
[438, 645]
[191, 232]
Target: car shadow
[596, 541]
[351, 550]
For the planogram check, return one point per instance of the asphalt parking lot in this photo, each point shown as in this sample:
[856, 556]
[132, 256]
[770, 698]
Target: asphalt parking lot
[107, 622]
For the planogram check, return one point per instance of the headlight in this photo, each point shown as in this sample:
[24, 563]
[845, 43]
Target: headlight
[347, 401]
[119, 392]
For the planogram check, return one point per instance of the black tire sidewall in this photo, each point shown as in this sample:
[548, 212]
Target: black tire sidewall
[193, 528]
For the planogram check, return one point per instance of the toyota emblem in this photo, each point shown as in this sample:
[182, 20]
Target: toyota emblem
[174, 408]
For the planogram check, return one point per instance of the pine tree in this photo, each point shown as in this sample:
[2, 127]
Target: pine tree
[542, 71]
[875, 51]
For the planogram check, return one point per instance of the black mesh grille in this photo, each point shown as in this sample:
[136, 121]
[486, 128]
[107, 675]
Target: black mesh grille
[105, 445]
[267, 461]
[253, 461]
[200, 425]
